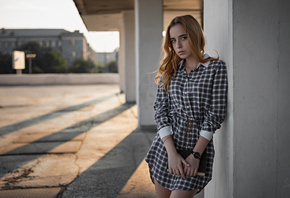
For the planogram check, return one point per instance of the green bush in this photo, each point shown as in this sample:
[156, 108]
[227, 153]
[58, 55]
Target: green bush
[6, 64]
[112, 67]
[82, 66]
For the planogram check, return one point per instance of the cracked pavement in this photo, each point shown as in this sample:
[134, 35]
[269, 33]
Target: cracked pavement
[71, 141]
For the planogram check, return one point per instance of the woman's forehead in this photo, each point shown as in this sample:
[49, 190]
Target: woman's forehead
[177, 30]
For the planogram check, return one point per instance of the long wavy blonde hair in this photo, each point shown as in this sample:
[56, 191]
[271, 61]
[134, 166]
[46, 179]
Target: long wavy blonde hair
[169, 63]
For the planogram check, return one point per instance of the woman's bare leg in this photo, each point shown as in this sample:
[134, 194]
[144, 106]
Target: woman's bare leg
[161, 192]
[183, 194]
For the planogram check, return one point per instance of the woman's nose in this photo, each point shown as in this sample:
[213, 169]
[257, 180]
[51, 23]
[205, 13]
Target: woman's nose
[178, 44]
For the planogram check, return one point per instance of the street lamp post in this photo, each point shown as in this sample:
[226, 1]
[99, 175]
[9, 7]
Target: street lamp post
[30, 56]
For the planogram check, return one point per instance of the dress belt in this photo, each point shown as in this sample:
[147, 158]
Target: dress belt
[189, 121]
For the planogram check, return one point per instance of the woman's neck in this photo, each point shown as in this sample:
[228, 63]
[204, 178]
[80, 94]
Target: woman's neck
[191, 63]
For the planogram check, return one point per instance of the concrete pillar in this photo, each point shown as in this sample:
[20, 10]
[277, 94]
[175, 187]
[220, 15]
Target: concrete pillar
[149, 23]
[121, 68]
[128, 48]
[252, 147]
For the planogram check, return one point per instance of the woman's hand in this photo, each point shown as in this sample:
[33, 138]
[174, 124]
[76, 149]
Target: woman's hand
[176, 164]
[193, 168]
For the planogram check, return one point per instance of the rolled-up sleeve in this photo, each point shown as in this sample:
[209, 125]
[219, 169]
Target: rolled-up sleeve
[216, 113]
[161, 108]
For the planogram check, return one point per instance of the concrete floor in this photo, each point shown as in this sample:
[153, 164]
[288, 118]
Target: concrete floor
[71, 141]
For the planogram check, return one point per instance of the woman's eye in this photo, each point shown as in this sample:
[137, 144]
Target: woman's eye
[172, 40]
[183, 38]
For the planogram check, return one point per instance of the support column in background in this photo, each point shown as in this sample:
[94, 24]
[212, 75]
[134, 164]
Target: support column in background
[148, 23]
[128, 38]
[121, 68]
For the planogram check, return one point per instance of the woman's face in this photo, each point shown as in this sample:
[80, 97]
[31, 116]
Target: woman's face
[179, 41]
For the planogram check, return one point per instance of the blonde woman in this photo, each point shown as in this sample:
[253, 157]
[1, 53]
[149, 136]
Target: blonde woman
[190, 106]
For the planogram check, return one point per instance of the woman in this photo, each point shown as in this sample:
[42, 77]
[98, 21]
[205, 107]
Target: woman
[190, 106]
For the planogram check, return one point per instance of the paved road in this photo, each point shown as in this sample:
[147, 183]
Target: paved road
[71, 141]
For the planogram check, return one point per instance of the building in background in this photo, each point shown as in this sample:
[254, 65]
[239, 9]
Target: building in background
[103, 58]
[72, 45]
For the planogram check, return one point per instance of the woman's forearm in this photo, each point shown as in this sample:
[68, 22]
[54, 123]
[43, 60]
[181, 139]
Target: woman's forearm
[169, 144]
[201, 145]
[170, 147]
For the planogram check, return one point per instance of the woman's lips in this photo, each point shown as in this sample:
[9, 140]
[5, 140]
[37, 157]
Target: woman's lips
[181, 52]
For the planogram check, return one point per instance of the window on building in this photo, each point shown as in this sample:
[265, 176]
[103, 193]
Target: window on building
[40, 43]
[73, 42]
[59, 43]
[47, 43]
[52, 43]
[74, 53]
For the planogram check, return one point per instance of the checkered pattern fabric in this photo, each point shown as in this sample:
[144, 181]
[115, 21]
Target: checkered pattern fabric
[194, 102]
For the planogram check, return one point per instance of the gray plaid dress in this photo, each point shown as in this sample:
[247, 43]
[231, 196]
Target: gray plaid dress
[194, 102]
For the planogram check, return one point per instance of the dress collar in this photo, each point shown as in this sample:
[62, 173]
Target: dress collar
[205, 56]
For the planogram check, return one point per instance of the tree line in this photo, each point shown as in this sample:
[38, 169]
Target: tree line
[49, 61]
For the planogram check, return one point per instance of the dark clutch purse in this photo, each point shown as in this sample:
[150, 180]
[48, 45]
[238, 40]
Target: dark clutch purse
[202, 163]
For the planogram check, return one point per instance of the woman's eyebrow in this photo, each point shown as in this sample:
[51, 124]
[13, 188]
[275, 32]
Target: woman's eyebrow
[182, 35]
[179, 36]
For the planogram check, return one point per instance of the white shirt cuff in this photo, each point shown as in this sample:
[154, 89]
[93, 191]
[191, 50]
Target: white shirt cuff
[207, 135]
[165, 131]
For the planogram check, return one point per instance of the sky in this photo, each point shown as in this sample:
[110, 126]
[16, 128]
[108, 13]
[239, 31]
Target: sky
[61, 14]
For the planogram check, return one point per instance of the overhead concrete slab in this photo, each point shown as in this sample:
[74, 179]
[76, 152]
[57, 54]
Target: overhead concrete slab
[99, 15]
